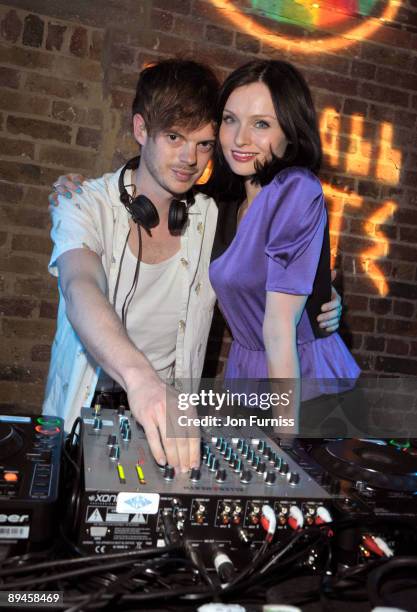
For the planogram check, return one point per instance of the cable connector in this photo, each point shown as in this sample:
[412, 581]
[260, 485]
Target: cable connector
[268, 522]
[296, 518]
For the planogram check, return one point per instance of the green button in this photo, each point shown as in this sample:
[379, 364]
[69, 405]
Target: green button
[49, 423]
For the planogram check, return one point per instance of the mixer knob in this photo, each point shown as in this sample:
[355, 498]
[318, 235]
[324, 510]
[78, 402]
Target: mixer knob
[223, 447]
[269, 478]
[260, 467]
[208, 457]
[214, 464]
[115, 452]
[294, 478]
[245, 476]
[238, 465]
[221, 475]
[195, 474]
[277, 462]
[97, 423]
[111, 440]
[228, 453]
[251, 455]
[283, 468]
[169, 472]
[267, 452]
[256, 461]
[245, 450]
[240, 444]
[121, 410]
[127, 434]
[123, 422]
[272, 457]
[261, 445]
[219, 442]
[232, 459]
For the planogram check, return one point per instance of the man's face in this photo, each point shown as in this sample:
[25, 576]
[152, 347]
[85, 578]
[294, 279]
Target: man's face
[175, 159]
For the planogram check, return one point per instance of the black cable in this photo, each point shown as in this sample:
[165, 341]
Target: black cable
[378, 577]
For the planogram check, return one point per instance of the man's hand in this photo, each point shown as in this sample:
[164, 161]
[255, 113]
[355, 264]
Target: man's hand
[66, 185]
[331, 312]
[155, 406]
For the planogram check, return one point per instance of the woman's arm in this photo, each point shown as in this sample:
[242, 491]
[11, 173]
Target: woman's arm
[282, 314]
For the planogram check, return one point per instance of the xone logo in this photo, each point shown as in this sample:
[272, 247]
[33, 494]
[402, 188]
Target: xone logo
[14, 518]
[104, 498]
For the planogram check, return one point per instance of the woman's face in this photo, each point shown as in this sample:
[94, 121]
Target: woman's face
[250, 129]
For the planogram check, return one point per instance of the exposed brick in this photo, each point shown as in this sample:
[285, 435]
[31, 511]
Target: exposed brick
[363, 70]
[3, 238]
[379, 93]
[73, 68]
[161, 20]
[355, 107]
[48, 310]
[9, 78]
[23, 217]
[13, 307]
[67, 158]
[42, 130]
[368, 189]
[71, 113]
[56, 87]
[173, 6]
[10, 193]
[18, 102]
[356, 302]
[404, 309]
[17, 264]
[96, 47]
[26, 58]
[408, 234]
[403, 290]
[219, 36]
[373, 343]
[360, 323]
[403, 252]
[332, 82]
[17, 148]
[42, 287]
[189, 27]
[123, 55]
[79, 42]
[11, 27]
[41, 352]
[55, 36]
[39, 329]
[26, 173]
[35, 244]
[211, 54]
[397, 327]
[87, 137]
[397, 347]
[20, 374]
[246, 43]
[324, 99]
[33, 31]
[396, 365]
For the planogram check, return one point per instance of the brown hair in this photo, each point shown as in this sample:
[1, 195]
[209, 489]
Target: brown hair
[176, 92]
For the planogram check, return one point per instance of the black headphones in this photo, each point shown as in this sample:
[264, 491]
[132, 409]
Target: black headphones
[143, 211]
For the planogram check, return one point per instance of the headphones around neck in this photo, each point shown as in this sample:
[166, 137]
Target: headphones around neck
[144, 212]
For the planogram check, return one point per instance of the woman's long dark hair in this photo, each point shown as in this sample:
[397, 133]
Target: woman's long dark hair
[296, 115]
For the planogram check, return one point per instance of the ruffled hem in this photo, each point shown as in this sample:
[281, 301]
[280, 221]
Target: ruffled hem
[326, 366]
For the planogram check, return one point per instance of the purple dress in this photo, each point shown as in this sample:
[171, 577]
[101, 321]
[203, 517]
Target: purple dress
[277, 247]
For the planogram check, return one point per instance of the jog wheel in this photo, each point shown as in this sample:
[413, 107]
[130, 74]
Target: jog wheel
[10, 441]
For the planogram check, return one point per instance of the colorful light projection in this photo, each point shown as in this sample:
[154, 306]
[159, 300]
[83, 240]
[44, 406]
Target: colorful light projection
[340, 23]
[361, 161]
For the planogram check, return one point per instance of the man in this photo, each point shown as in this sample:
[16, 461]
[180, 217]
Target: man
[96, 249]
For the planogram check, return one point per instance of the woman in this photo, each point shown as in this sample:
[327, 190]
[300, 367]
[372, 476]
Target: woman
[273, 277]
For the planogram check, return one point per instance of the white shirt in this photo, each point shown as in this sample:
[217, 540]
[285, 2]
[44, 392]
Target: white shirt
[97, 220]
[153, 315]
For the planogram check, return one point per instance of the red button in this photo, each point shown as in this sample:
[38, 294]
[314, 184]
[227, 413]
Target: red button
[11, 476]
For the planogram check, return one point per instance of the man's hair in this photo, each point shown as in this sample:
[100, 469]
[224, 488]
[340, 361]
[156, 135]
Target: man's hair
[176, 92]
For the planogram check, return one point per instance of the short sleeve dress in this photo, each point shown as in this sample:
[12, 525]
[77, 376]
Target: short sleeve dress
[282, 244]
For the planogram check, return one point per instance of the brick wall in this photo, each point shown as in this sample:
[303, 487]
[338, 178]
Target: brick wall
[67, 75]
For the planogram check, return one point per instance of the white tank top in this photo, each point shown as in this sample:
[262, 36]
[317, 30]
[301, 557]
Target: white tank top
[153, 315]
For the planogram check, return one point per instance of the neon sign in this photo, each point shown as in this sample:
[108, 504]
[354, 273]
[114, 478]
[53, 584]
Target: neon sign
[340, 23]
